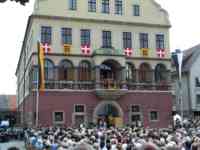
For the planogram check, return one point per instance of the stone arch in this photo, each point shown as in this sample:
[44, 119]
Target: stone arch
[145, 73]
[84, 71]
[49, 69]
[103, 104]
[65, 60]
[120, 61]
[66, 70]
[110, 70]
[160, 72]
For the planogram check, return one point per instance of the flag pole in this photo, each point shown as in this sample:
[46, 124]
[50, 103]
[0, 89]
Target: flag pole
[37, 101]
[37, 91]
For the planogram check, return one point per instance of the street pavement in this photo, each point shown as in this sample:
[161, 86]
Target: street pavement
[19, 144]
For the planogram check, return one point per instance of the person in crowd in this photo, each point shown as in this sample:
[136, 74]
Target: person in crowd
[184, 137]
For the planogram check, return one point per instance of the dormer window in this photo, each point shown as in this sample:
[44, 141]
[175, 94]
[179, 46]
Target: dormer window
[136, 10]
[72, 4]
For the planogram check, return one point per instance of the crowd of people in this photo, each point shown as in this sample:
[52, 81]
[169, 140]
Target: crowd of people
[185, 136]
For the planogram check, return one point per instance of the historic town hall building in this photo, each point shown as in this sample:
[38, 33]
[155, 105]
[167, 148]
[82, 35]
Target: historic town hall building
[104, 60]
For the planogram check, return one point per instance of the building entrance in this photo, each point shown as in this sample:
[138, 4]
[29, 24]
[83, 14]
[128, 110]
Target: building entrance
[109, 114]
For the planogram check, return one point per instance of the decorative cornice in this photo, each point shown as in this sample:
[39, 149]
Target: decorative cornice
[100, 21]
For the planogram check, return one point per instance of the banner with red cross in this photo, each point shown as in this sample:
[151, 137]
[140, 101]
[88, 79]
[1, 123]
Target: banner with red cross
[128, 52]
[160, 52]
[85, 49]
[46, 48]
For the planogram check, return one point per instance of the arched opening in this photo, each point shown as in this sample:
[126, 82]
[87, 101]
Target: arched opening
[84, 71]
[109, 112]
[160, 73]
[145, 73]
[66, 71]
[48, 69]
[110, 73]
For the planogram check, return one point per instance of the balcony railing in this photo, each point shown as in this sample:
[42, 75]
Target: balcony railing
[91, 85]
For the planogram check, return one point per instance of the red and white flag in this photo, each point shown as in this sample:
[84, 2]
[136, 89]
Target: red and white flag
[128, 51]
[46, 48]
[85, 49]
[161, 52]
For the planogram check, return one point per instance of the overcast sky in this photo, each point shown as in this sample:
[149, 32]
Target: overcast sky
[185, 33]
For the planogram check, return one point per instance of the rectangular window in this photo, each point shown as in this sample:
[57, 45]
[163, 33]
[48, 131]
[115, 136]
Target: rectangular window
[197, 82]
[135, 108]
[107, 40]
[106, 6]
[160, 41]
[144, 40]
[135, 118]
[118, 7]
[58, 117]
[66, 35]
[85, 37]
[46, 34]
[79, 109]
[153, 116]
[136, 10]
[72, 4]
[92, 5]
[127, 40]
[198, 99]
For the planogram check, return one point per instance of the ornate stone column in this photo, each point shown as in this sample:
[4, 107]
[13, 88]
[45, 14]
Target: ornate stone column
[97, 77]
[137, 76]
[56, 77]
[123, 77]
[76, 71]
[153, 79]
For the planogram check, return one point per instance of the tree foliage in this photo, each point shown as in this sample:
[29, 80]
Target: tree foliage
[23, 2]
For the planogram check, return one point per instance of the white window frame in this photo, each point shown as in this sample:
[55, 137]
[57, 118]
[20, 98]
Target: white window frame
[79, 105]
[158, 116]
[135, 113]
[58, 122]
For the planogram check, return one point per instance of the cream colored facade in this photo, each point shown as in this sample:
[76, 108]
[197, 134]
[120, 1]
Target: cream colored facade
[153, 20]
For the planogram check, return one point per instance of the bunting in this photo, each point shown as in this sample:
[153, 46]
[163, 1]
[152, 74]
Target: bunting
[160, 52]
[46, 48]
[144, 52]
[67, 49]
[85, 49]
[128, 51]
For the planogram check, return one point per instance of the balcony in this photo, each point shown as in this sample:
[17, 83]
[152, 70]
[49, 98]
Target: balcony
[109, 86]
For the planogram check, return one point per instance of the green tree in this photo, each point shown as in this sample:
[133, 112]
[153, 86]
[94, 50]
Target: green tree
[23, 2]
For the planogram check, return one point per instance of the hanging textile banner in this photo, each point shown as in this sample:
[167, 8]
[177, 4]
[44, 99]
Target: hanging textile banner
[160, 52]
[67, 49]
[128, 52]
[144, 52]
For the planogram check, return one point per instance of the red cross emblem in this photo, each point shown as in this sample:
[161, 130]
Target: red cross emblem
[161, 52]
[128, 51]
[85, 49]
[46, 48]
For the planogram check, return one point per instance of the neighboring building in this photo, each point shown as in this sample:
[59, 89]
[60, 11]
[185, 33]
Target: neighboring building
[8, 108]
[190, 84]
[109, 59]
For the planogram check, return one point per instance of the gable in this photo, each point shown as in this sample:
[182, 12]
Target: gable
[151, 11]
